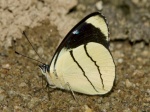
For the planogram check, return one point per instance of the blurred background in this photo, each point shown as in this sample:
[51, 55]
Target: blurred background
[46, 22]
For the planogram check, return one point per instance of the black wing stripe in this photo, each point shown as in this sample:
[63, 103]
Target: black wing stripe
[71, 53]
[95, 65]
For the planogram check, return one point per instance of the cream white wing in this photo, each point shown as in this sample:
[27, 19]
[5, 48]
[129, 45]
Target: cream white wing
[88, 69]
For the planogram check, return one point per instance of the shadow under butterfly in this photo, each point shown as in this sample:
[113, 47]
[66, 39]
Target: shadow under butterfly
[83, 63]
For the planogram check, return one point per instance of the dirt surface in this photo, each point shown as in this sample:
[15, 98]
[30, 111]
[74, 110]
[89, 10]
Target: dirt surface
[46, 23]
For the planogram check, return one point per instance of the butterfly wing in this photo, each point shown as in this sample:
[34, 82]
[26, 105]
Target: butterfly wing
[83, 58]
[88, 69]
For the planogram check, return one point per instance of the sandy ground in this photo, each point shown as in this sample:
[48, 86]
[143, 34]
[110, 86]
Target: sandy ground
[46, 23]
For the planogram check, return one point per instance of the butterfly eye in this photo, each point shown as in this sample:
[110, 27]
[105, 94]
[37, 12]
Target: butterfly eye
[44, 67]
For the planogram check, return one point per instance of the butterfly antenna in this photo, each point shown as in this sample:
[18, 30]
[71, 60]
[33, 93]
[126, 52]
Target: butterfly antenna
[31, 45]
[28, 57]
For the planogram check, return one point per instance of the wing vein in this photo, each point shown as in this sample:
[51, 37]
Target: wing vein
[71, 53]
[95, 64]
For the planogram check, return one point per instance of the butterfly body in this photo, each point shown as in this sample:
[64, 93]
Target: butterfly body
[83, 59]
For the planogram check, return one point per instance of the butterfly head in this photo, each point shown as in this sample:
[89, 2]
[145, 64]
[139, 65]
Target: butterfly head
[44, 69]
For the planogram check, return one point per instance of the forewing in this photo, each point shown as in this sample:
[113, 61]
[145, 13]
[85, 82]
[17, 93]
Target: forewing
[93, 28]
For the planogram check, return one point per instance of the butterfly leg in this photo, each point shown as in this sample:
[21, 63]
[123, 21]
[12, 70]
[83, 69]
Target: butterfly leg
[71, 90]
[52, 86]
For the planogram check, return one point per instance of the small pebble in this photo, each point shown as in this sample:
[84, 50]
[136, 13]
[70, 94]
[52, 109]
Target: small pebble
[2, 75]
[119, 46]
[33, 102]
[18, 109]
[31, 52]
[119, 91]
[2, 94]
[40, 50]
[2, 97]
[138, 73]
[99, 5]
[128, 83]
[147, 99]
[111, 47]
[136, 1]
[6, 109]
[81, 7]
[1, 90]
[120, 60]
[87, 109]
[127, 110]
[12, 93]
[71, 109]
[148, 91]
[6, 66]
[23, 84]
[145, 53]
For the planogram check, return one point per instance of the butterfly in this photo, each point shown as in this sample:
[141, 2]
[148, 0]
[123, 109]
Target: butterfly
[83, 62]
